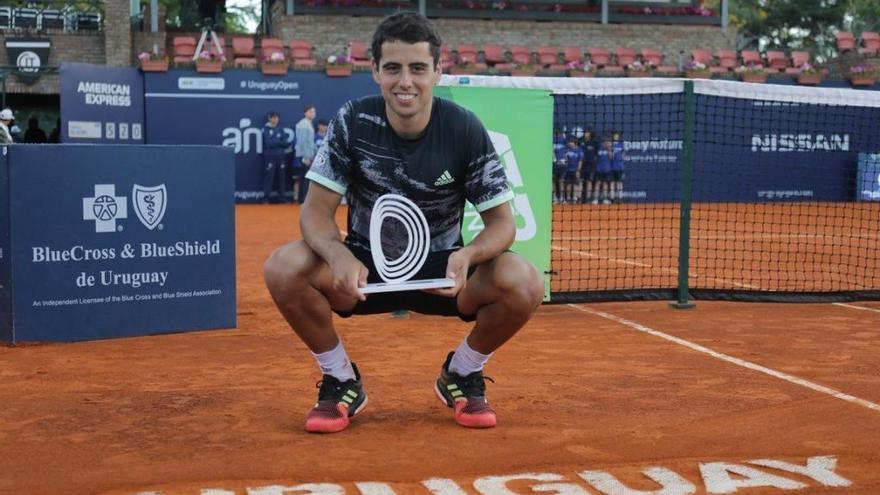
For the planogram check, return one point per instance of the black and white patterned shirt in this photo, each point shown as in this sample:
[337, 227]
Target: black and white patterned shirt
[452, 161]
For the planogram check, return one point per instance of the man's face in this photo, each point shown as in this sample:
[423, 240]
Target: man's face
[406, 75]
[273, 120]
[310, 113]
[322, 128]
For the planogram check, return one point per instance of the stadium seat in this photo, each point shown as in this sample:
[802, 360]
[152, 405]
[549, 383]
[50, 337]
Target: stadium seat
[625, 56]
[182, 49]
[652, 56]
[302, 53]
[870, 43]
[572, 54]
[548, 57]
[467, 52]
[493, 54]
[599, 56]
[24, 18]
[777, 60]
[520, 54]
[751, 57]
[726, 59]
[798, 59]
[845, 41]
[5, 17]
[243, 51]
[51, 19]
[359, 51]
[702, 56]
[268, 46]
[223, 51]
[445, 57]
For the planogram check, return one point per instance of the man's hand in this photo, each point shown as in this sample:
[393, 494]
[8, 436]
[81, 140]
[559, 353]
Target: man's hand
[456, 269]
[349, 275]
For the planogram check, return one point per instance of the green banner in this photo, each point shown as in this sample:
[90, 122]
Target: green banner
[520, 123]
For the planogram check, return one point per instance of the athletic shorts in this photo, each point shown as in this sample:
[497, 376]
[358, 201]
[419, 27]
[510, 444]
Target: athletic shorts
[588, 173]
[412, 300]
[604, 176]
[571, 178]
[617, 175]
[558, 172]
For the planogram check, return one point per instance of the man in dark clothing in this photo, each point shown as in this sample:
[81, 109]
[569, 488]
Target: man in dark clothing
[274, 144]
[34, 134]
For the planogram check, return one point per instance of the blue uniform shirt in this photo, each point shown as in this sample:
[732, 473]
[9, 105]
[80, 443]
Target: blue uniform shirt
[559, 148]
[617, 159]
[603, 165]
[573, 157]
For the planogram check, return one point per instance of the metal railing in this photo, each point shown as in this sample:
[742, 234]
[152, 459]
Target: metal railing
[68, 15]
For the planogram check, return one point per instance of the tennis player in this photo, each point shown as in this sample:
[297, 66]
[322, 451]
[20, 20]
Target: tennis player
[438, 155]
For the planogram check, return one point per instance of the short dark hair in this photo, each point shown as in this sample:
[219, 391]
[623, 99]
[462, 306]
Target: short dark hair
[307, 108]
[322, 122]
[273, 113]
[408, 27]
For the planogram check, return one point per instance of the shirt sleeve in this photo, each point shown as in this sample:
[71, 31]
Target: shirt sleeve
[486, 184]
[332, 165]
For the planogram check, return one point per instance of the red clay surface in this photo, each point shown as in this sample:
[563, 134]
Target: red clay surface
[575, 391]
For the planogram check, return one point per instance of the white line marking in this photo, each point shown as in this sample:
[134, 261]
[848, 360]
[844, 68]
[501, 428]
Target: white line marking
[221, 96]
[853, 306]
[734, 360]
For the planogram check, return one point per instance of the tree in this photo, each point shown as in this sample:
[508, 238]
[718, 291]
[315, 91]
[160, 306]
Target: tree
[189, 15]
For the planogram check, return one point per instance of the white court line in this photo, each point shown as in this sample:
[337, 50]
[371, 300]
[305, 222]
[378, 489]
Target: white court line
[692, 273]
[853, 306]
[733, 360]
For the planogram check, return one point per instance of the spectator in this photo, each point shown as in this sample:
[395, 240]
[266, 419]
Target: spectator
[6, 119]
[34, 134]
[558, 164]
[304, 151]
[273, 159]
[617, 166]
[55, 135]
[590, 145]
[322, 133]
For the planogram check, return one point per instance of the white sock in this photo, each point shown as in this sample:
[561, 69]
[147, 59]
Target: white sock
[466, 360]
[335, 363]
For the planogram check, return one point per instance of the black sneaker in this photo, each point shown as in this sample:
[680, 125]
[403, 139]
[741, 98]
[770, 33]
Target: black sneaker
[466, 395]
[337, 402]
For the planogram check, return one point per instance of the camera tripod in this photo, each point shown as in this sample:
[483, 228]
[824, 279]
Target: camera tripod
[208, 30]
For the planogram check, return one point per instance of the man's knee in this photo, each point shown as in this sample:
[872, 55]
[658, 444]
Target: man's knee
[287, 267]
[520, 281]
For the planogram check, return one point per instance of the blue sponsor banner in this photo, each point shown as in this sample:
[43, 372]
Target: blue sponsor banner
[5, 252]
[744, 150]
[101, 105]
[868, 184]
[230, 108]
[112, 241]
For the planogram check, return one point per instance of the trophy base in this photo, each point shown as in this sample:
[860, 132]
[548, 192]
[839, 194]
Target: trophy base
[432, 283]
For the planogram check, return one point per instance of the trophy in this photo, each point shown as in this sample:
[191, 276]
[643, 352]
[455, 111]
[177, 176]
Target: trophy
[398, 272]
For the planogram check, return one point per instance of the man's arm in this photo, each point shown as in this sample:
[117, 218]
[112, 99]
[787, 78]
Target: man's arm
[318, 224]
[497, 236]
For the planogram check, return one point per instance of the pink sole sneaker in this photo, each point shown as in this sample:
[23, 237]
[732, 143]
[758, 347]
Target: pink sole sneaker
[323, 419]
[471, 413]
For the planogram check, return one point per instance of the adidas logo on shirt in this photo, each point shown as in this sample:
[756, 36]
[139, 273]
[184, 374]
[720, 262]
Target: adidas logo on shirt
[444, 179]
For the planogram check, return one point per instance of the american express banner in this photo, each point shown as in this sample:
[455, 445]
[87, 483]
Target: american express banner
[101, 105]
[110, 241]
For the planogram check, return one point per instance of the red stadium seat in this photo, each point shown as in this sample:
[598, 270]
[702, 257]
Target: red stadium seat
[243, 52]
[751, 57]
[625, 56]
[572, 54]
[726, 59]
[493, 54]
[845, 41]
[798, 59]
[183, 48]
[599, 56]
[520, 54]
[268, 46]
[870, 43]
[702, 56]
[777, 60]
[466, 52]
[359, 51]
[302, 53]
[652, 56]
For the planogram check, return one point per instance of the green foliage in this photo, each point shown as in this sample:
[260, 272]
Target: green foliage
[183, 15]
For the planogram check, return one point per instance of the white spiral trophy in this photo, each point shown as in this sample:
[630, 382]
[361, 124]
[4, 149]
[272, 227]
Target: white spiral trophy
[398, 272]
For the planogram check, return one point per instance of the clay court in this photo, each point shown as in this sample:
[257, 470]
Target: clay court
[622, 398]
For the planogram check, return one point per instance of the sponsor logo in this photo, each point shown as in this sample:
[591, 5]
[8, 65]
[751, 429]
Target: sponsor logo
[444, 179]
[28, 61]
[149, 204]
[248, 138]
[800, 142]
[105, 207]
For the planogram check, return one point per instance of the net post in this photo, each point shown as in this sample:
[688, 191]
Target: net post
[687, 174]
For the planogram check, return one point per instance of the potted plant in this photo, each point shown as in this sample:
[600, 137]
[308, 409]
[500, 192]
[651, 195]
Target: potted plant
[576, 68]
[338, 65]
[753, 73]
[862, 75]
[639, 69]
[809, 75]
[153, 62]
[209, 62]
[275, 64]
[697, 70]
[464, 67]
